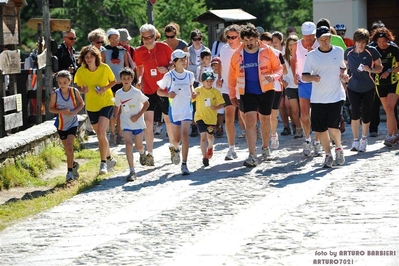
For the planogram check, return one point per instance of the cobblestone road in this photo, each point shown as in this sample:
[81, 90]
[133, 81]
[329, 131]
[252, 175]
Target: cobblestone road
[288, 211]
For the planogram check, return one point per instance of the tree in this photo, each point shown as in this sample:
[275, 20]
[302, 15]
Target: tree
[181, 12]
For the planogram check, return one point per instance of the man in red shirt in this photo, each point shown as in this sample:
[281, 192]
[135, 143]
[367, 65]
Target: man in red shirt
[152, 61]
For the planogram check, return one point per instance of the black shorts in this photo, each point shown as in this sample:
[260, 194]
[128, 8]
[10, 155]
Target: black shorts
[384, 90]
[326, 115]
[116, 87]
[155, 99]
[226, 99]
[277, 99]
[261, 103]
[202, 127]
[106, 112]
[291, 93]
[64, 134]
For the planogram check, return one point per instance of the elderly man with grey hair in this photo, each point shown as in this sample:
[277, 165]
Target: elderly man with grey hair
[65, 52]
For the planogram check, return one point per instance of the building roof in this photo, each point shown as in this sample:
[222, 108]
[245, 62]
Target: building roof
[216, 16]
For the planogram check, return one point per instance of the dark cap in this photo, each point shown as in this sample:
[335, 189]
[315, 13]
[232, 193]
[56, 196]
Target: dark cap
[207, 75]
[323, 31]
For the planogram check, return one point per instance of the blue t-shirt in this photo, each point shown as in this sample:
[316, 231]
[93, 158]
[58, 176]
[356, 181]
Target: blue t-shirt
[360, 81]
[250, 64]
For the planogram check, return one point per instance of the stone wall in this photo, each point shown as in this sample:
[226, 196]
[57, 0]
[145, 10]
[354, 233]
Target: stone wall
[33, 140]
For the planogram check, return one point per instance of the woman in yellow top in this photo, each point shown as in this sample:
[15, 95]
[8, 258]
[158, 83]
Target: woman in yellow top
[95, 79]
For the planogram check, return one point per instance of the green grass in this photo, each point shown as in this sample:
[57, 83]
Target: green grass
[28, 172]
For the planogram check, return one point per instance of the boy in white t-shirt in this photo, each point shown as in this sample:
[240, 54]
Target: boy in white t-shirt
[206, 58]
[215, 64]
[133, 104]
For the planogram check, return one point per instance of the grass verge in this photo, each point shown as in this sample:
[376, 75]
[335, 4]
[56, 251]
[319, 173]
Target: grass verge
[28, 172]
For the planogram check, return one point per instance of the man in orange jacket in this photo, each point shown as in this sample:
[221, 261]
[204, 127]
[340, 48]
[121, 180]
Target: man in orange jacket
[253, 69]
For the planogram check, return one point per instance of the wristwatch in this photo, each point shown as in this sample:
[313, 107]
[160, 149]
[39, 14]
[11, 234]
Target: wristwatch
[389, 70]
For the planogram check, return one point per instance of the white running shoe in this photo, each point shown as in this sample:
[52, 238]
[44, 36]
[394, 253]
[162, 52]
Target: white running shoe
[266, 154]
[251, 161]
[307, 148]
[328, 161]
[363, 145]
[355, 145]
[231, 155]
[111, 164]
[103, 168]
[339, 156]
[274, 143]
[69, 177]
[317, 150]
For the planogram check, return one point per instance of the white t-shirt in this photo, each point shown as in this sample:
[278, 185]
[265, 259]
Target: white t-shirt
[226, 52]
[301, 54]
[289, 78]
[327, 65]
[180, 83]
[131, 103]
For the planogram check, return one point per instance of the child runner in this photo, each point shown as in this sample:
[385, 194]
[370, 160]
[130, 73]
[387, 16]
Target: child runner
[177, 85]
[209, 100]
[66, 102]
[134, 103]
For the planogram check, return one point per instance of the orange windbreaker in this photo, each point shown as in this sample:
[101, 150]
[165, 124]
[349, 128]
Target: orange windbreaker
[268, 64]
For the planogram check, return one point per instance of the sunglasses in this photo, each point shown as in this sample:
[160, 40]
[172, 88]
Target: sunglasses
[197, 39]
[231, 37]
[170, 36]
[148, 37]
[71, 38]
[100, 42]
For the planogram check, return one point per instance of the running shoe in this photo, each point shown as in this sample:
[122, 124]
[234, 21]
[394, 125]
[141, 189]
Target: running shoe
[328, 161]
[274, 143]
[176, 157]
[103, 168]
[286, 131]
[157, 130]
[131, 176]
[363, 145]
[111, 164]
[373, 134]
[339, 156]
[172, 153]
[231, 155]
[390, 141]
[355, 145]
[205, 161]
[307, 148]
[69, 177]
[298, 133]
[242, 134]
[209, 153]
[149, 160]
[143, 158]
[266, 154]
[317, 150]
[251, 161]
[184, 169]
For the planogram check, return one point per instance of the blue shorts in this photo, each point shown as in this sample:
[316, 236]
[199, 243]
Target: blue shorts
[178, 123]
[304, 90]
[134, 131]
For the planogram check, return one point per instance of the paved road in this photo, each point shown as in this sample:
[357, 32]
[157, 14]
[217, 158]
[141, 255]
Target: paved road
[288, 211]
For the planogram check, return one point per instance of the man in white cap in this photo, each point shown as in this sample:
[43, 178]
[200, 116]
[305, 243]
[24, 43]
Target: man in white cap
[299, 52]
[325, 68]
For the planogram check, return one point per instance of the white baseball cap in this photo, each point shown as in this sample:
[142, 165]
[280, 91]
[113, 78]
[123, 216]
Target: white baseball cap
[178, 53]
[308, 28]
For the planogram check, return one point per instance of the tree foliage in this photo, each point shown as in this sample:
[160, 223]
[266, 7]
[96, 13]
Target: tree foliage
[131, 14]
